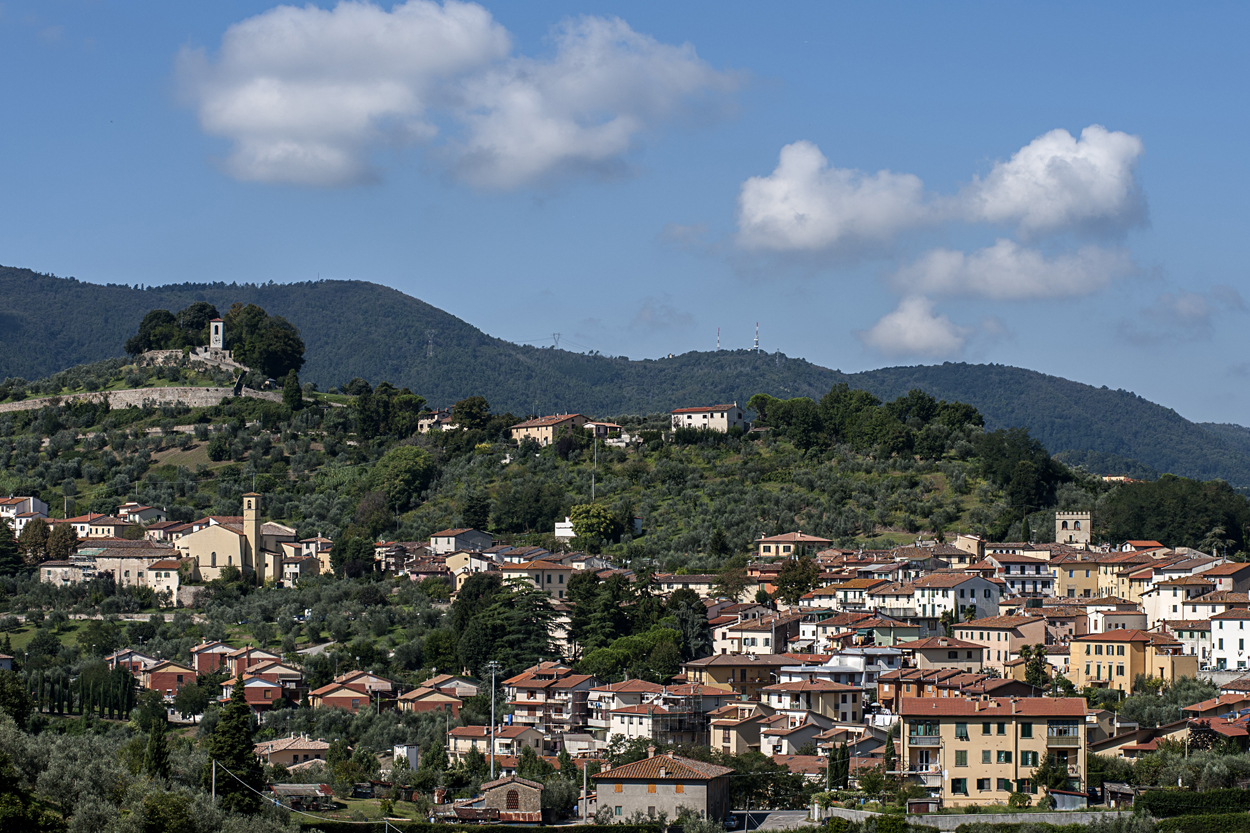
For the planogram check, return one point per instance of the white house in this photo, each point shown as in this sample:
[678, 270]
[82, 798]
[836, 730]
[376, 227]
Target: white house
[450, 540]
[1228, 640]
[714, 418]
[939, 593]
[1167, 600]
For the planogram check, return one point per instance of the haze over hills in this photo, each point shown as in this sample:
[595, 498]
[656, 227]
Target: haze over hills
[356, 328]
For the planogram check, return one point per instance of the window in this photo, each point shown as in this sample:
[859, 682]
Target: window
[961, 731]
[1119, 649]
[959, 786]
[961, 757]
[1004, 756]
[1026, 730]
[985, 728]
[983, 784]
[618, 808]
[650, 788]
[1098, 650]
[1028, 758]
[1002, 728]
[513, 800]
[680, 789]
[617, 788]
[952, 655]
[1004, 785]
[985, 757]
[1119, 670]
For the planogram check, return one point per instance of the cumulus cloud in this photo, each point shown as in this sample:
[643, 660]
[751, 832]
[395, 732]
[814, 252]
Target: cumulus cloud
[582, 109]
[307, 95]
[913, 329]
[1008, 271]
[805, 205]
[1057, 182]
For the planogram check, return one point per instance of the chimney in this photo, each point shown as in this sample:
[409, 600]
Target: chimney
[650, 751]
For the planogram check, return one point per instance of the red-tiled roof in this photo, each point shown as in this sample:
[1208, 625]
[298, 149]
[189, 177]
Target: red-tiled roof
[675, 769]
[1000, 622]
[1026, 706]
[935, 642]
[546, 421]
[703, 410]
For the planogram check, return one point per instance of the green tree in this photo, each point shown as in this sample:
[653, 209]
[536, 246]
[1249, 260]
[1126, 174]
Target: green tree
[1051, 773]
[156, 756]
[10, 556]
[62, 542]
[230, 745]
[15, 700]
[34, 541]
[402, 473]
[732, 582]
[191, 699]
[1036, 668]
[471, 413]
[219, 447]
[475, 510]
[292, 393]
[797, 577]
[593, 521]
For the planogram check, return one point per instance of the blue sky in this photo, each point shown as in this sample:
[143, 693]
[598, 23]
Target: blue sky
[1053, 186]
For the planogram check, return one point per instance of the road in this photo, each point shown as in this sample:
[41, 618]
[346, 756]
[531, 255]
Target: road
[772, 819]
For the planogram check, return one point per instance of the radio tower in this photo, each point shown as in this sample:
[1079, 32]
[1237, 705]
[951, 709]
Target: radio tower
[757, 336]
[429, 343]
[718, 339]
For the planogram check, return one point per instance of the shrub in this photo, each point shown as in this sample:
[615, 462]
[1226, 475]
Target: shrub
[1165, 803]
[1207, 823]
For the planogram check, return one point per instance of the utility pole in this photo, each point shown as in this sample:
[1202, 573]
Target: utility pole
[493, 667]
[594, 470]
[214, 780]
[585, 793]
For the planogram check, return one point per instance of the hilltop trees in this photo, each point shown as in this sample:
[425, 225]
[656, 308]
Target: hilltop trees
[265, 343]
[162, 330]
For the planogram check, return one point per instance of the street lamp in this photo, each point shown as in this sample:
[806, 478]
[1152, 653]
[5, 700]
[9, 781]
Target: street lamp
[493, 667]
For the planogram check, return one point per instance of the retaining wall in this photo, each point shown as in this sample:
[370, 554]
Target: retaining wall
[191, 397]
[950, 822]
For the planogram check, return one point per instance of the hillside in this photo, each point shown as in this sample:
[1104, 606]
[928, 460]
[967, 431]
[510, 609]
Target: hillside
[355, 328]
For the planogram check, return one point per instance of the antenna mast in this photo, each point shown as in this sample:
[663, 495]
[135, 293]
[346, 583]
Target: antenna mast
[718, 339]
[757, 336]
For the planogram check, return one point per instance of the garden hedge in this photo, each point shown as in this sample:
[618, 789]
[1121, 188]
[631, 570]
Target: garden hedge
[1207, 823]
[1167, 803]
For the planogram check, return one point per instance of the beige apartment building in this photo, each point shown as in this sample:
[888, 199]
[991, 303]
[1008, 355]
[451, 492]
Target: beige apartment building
[1002, 636]
[1115, 658]
[544, 430]
[978, 751]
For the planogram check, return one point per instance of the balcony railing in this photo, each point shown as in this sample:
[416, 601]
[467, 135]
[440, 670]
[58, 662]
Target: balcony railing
[924, 740]
[1063, 740]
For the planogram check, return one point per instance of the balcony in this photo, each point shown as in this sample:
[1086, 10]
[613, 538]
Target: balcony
[1063, 740]
[924, 740]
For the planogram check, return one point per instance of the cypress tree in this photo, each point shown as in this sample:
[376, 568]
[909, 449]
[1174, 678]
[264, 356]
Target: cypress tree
[156, 757]
[231, 745]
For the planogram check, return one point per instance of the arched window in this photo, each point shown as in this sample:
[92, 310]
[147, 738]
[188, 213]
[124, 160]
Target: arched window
[1076, 525]
[513, 800]
[1064, 525]
[213, 561]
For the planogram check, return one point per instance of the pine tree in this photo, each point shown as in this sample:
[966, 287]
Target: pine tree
[10, 556]
[231, 746]
[156, 757]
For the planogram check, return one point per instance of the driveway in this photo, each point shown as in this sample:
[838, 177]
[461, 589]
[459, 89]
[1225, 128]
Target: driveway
[773, 819]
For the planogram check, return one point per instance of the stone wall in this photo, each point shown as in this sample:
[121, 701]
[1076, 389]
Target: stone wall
[950, 822]
[190, 396]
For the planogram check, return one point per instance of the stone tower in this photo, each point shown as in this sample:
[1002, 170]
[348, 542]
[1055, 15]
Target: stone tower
[1072, 528]
[251, 531]
[217, 334]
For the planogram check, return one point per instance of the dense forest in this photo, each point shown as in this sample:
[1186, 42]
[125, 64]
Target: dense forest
[359, 329]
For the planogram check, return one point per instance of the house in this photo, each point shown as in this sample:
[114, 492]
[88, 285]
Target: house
[137, 513]
[1233, 577]
[1002, 636]
[59, 573]
[756, 636]
[509, 740]
[107, 526]
[1167, 599]
[893, 686]
[790, 544]
[1012, 736]
[260, 694]
[713, 418]
[954, 593]
[1194, 636]
[447, 541]
[1218, 706]
[835, 701]
[288, 751]
[439, 420]
[1228, 640]
[209, 656]
[240, 660]
[162, 576]
[547, 576]
[662, 784]
[787, 734]
[126, 561]
[6, 662]
[544, 430]
[743, 674]
[130, 659]
[1024, 575]
[296, 568]
[1075, 576]
[515, 799]
[461, 688]
[166, 677]
[339, 696]
[1116, 658]
[736, 727]
[232, 541]
[602, 700]
[549, 697]
[11, 507]
[945, 652]
[703, 584]
[426, 699]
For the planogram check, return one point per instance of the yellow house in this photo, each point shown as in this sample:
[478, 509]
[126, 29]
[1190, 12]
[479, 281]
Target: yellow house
[1076, 577]
[545, 575]
[544, 430]
[978, 751]
[222, 545]
[1115, 658]
[744, 674]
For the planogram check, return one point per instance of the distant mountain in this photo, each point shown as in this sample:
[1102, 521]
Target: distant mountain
[355, 328]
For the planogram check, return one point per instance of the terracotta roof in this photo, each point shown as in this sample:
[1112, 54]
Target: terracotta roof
[793, 538]
[1025, 706]
[630, 686]
[702, 410]
[809, 685]
[641, 709]
[1237, 613]
[546, 421]
[450, 533]
[933, 642]
[1229, 569]
[1188, 624]
[1000, 622]
[1126, 635]
[166, 564]
[675, 769]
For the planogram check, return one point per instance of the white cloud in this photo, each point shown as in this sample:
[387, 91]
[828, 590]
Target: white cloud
[1057, 182]
[1008, 271]
[1182, 316]
[805, 205]
[582, 109]
[307, 95]
[914, 330]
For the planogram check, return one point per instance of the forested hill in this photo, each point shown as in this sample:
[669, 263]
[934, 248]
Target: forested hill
[355, 328]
